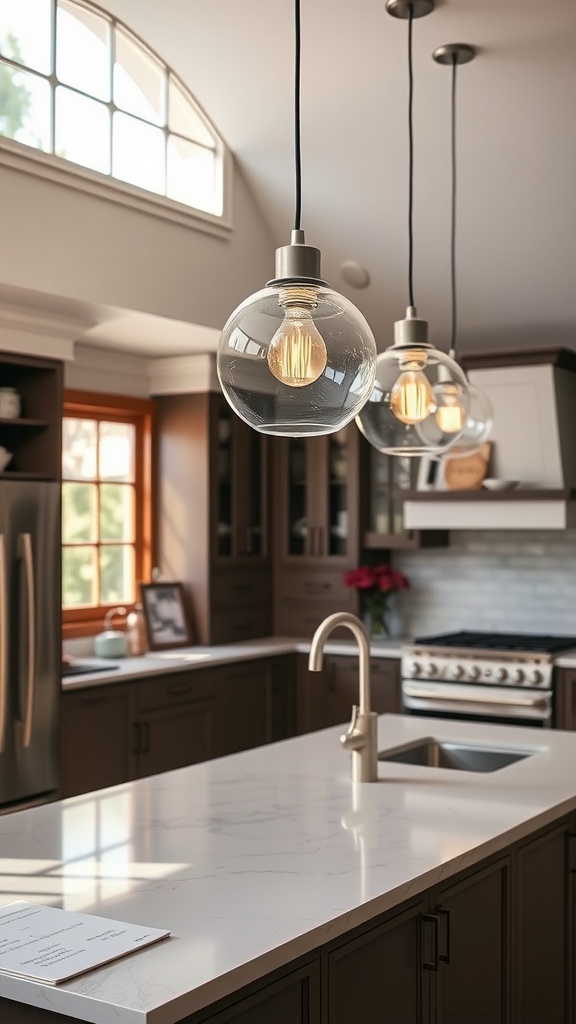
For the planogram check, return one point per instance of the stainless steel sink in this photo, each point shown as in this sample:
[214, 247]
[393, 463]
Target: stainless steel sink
[436, 754]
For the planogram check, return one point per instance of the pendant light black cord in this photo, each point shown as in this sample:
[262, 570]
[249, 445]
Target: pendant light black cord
[297, 143]
[453, 214]
[410, 161]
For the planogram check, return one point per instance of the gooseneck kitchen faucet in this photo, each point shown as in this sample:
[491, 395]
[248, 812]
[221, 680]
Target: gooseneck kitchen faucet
[361, 738]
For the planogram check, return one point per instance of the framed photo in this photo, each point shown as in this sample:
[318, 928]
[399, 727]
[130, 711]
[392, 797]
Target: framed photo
[167, 621]
[430, 474]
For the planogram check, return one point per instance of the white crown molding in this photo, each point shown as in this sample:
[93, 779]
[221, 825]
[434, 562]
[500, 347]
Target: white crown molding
[104, 369]
[39, 333]
[178, 375]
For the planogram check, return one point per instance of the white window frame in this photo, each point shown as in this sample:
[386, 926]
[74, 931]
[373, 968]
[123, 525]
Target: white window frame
[49, 167]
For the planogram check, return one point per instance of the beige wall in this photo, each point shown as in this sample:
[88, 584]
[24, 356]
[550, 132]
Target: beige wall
[60, 241]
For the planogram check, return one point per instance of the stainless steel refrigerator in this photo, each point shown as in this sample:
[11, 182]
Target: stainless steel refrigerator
[30, 639]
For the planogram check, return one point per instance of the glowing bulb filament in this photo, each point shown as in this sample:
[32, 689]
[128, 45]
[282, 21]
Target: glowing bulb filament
[450, 413]
[412, 398]
[297, 353]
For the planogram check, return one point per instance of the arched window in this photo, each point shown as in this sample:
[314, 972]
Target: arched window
[77, 83]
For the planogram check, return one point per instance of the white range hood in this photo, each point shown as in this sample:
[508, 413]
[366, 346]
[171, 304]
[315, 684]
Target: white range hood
[533, 442]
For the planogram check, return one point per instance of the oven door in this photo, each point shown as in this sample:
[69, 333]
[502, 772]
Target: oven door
[496, 704]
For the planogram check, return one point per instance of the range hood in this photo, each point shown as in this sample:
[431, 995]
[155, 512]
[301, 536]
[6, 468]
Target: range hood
[533, 442]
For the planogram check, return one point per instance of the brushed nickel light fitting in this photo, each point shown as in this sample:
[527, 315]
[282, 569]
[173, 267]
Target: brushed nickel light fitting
[297, 358]
[419, 403]
[478, 423]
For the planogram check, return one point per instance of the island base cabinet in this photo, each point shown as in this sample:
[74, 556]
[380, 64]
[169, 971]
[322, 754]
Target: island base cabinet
[472, 922]
[378, 977]
[543, 929]
[294, 999]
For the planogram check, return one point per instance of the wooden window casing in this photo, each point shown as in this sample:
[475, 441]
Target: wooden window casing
[88, 621]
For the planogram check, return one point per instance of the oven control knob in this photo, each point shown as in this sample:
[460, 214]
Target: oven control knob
[474, 672]
[430, 669]
[414, 668]
[457, 672]
[500, 675]
[517, 675]
[535, 677]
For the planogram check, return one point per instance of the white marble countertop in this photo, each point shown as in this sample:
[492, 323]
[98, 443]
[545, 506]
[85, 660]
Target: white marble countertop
[117, 670]
[256, 858]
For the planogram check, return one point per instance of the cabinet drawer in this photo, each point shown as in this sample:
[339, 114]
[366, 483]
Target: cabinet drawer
[312, 585]
[246, 623]
[179, 688]
[236, 589]
[303, 620]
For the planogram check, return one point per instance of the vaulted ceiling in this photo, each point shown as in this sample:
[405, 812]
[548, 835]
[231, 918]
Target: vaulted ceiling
[516, 147]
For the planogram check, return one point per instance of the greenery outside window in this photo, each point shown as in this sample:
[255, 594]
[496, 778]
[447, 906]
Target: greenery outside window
[106, 506]
[76, 83]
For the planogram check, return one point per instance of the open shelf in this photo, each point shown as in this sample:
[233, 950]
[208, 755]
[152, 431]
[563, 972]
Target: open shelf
[483, 494]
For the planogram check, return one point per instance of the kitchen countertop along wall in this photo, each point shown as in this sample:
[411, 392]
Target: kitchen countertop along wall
[161, 662]
[255, 859]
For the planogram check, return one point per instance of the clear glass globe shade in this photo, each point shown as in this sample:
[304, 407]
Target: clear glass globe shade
[378, 420]
[478, 425]
[253, 372]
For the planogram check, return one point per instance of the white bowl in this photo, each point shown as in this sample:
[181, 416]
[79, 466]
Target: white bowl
[500, 485]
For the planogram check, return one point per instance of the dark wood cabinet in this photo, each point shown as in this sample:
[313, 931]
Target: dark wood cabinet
[385, 481]
[543, 927]
[565, 698]
[315, 503]
[325, 698]
[97, 740]
[116, 732]
[243, 694]
[34, 437]
[473, 943]
[176, 721]
[378, 976]
[212, 501]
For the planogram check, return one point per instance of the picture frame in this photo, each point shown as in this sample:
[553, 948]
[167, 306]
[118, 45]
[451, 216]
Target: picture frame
[166, 616]
[430, 474]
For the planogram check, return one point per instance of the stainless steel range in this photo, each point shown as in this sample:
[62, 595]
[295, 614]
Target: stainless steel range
[503, 677]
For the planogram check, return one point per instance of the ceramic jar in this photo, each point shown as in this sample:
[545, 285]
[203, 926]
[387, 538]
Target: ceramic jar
[9, 404]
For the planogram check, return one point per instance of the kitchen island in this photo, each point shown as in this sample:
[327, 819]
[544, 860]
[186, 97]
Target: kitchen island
[285, 887]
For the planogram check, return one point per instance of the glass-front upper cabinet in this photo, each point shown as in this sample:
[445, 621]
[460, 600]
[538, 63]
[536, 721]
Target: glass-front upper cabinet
[315, 479]
[389, 478]
[239, 516]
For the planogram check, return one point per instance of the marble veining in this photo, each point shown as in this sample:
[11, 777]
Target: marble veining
[254, 859]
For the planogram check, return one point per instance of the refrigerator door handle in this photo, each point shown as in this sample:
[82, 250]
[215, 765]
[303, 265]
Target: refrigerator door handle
[3, 644]
[25, 553]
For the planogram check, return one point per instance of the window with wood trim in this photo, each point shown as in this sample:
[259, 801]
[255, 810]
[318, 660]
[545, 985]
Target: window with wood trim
[106, 506]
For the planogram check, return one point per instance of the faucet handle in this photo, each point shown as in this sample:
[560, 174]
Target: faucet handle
[355, 738]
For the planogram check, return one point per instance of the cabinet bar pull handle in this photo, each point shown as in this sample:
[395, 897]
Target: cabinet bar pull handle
[145, 747]
[572, 852]
[177, 688]
[445, 957]
[135, 738]
[25, 552]
[3, 643]
[433, 920]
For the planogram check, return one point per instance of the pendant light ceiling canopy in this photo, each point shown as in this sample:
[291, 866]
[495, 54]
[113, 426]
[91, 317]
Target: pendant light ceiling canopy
[478, 424]
[419, 404]
[297, 358]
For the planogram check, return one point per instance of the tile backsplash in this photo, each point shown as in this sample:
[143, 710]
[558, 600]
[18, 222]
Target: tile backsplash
[521, 581]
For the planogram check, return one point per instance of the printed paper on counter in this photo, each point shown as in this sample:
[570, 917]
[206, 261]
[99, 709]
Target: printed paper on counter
[50, 945]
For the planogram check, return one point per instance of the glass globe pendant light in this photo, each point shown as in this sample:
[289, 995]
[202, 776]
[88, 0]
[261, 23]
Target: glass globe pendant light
[419, 404]
[478, 423]
[297, 358]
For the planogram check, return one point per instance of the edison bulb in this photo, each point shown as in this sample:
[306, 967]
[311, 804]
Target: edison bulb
[451, 411]
[297, 354]
[412, 398]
